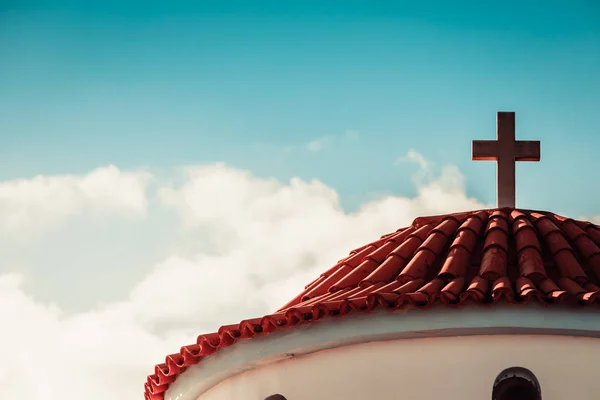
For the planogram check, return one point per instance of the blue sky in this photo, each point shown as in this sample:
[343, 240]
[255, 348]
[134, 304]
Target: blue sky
[163, 83]
[153, 85]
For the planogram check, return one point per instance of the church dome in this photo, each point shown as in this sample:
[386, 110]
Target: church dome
[456, 260]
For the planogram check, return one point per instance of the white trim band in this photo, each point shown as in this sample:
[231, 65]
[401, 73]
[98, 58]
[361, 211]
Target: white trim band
[382, 325]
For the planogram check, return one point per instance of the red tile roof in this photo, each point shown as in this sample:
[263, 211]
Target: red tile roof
[479, 256]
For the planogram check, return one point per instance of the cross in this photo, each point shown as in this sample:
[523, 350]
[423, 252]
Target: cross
[506, 150]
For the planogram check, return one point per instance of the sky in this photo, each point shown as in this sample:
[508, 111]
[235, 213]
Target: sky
[169, 167]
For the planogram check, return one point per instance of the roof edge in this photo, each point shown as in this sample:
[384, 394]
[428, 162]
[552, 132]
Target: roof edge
[359, 328]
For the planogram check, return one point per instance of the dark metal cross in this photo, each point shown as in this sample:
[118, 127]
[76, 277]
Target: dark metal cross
[506, 150]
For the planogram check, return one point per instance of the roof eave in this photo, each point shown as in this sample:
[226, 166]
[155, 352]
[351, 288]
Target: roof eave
[439, 321]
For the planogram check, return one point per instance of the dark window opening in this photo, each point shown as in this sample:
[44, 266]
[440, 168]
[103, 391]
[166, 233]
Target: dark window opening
[276, 397]
[516, 383]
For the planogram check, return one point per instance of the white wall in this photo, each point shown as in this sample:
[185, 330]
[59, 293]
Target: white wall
[431, 368]
[447, 330]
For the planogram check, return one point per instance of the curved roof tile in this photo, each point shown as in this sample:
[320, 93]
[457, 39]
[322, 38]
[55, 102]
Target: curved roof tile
[479, 256]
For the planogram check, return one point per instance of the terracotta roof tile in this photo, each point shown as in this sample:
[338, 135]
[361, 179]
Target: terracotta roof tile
[479, 256]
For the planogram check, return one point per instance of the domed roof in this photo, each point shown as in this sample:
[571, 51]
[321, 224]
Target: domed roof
[457, 259]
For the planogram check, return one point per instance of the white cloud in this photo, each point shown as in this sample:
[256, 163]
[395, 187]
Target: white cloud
[318, 144]
[413, 156]
[31, 205]
[595, 220]
[259, 242]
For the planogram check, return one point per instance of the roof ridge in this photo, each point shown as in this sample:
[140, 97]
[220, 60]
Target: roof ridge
[461, 215]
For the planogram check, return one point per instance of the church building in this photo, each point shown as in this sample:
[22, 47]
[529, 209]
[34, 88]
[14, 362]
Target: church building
[486, 304]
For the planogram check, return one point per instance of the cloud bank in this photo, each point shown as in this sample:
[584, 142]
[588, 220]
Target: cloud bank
[28, 206]
[257, 242]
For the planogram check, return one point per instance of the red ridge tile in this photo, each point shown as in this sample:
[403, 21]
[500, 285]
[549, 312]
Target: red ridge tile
[456, 263]
[594, 233]
[324, 285]
[493, 263]
[531, 264]
[407, 248]
[389, 269]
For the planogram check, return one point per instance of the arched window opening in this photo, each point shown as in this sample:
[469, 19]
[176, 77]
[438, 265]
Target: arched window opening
[276, 397]
[516, 383]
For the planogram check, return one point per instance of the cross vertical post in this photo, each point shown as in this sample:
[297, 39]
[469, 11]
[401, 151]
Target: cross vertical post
[505, 150]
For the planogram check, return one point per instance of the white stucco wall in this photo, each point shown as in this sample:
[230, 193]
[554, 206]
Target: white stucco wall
[407, 354]
[433, 368]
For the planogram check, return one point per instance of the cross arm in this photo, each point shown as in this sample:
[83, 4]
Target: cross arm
[485, 150]
[527, 150]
